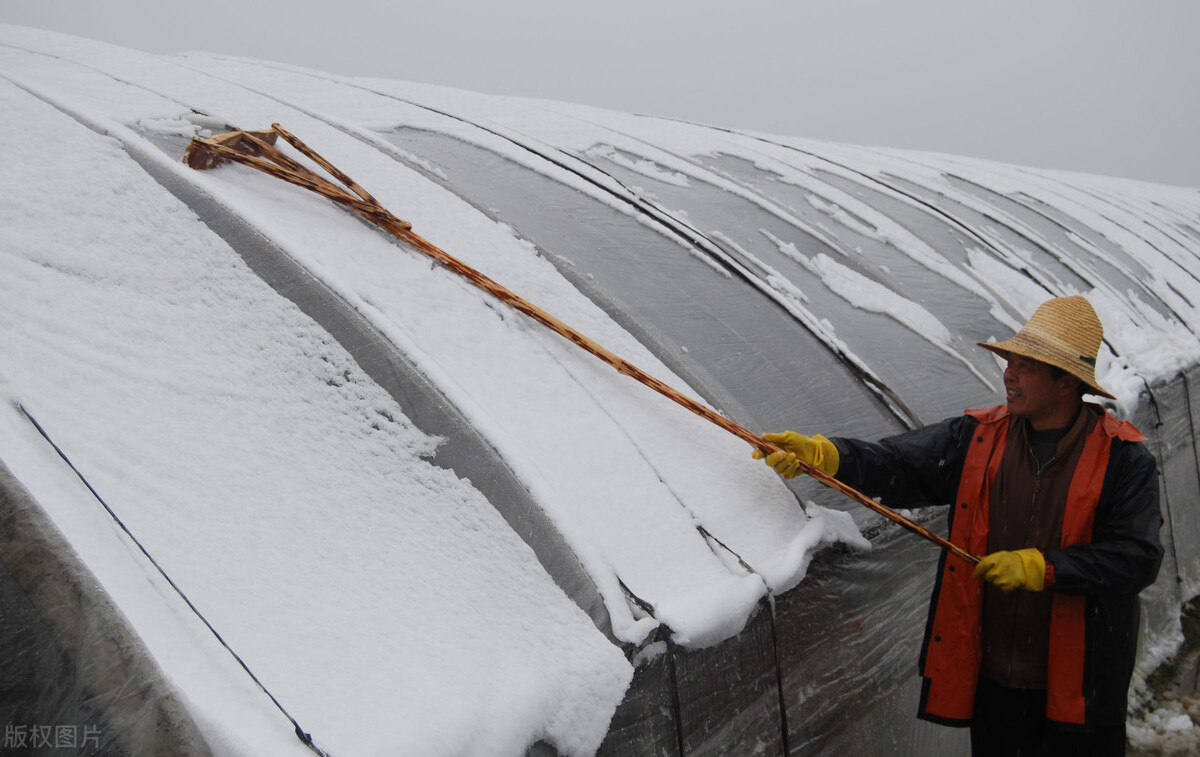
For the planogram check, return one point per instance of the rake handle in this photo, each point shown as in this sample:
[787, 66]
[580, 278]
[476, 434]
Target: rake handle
[629, 369]
[368, 208]
[623, 366]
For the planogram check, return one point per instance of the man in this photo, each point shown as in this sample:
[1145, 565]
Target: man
[1034, 647]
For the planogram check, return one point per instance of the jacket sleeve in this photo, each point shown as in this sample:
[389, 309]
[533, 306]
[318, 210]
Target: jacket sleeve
[912, 469]
[1124, 554]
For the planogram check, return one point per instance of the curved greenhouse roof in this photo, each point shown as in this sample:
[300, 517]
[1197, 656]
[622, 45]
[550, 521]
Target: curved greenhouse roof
[330, 488]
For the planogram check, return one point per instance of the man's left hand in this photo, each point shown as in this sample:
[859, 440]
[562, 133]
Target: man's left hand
[1023, 569]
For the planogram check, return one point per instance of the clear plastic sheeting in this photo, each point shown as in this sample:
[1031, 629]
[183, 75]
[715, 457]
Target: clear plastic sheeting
[400, 496]
[732, 342]
[76, 678]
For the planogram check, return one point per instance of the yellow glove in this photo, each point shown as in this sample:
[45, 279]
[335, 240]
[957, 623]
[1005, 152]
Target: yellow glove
[1023, 569]
[815, 450]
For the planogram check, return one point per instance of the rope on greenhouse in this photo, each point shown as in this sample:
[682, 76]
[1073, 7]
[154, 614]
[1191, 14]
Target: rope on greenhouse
[305, 737]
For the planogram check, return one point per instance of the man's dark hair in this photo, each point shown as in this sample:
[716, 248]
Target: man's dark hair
[1056, 373]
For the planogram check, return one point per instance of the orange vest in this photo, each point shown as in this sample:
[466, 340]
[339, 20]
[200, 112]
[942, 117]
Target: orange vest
[953, 648]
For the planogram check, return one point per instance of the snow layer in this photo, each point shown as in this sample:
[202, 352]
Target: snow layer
[287, 494]
[1089, 225]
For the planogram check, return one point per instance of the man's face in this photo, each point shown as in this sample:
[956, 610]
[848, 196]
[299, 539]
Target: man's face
[1034, 393]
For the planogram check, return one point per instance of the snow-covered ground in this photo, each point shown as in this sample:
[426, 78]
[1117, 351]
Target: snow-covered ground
[380, 597]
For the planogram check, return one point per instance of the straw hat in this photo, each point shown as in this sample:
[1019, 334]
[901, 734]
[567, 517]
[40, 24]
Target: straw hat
[1064, 332]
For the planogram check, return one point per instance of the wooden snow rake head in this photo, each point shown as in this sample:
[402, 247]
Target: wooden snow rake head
[257, 150]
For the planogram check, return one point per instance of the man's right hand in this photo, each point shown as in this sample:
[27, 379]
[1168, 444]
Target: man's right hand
[815, 451]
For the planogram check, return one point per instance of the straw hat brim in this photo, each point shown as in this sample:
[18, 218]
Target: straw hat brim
[1044, 351]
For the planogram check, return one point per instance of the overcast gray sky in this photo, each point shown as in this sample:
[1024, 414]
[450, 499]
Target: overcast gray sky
[1103, 86]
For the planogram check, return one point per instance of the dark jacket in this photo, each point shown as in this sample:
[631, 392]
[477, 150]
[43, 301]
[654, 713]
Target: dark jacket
[1098, 571]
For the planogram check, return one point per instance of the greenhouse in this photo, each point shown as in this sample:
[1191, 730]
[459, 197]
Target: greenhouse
[274, 482]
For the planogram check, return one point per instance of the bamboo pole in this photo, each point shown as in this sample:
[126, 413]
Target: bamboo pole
[256, 150]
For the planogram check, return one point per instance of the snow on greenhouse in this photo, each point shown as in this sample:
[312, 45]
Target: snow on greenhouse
[274, 483]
